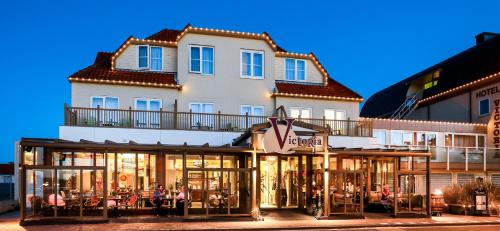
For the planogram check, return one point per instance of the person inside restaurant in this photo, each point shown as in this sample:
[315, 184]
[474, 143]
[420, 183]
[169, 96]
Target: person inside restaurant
[180, 201]
[158, 197]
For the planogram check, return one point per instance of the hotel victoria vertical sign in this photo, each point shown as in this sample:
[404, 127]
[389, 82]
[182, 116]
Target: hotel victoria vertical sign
[494, 127]
[280, 138]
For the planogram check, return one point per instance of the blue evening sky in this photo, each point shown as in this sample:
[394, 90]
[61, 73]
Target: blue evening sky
[366, 45]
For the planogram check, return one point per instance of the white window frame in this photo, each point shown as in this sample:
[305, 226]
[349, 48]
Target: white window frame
[252, 74]
[300, 111]
[148, 101]
[201, 60]
[252, 109]
[151, 57]
[147, 57]
[296, 70]
[335, 113]
[201, 104]
[383, 136]
[479, 107]
[103, 97]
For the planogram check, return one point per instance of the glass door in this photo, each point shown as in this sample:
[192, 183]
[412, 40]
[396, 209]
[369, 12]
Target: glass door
[215, 201]
[196, 187]
[346, 192]
[289, 182]
[269, 181]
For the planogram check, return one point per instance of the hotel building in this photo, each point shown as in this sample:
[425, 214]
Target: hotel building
[211, 111]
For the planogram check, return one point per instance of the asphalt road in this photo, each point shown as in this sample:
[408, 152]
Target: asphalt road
[429, 228]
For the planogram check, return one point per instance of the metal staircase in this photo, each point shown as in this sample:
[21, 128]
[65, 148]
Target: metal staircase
[408, 106]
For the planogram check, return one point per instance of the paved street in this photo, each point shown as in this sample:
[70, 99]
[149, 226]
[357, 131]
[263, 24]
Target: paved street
[276, 221]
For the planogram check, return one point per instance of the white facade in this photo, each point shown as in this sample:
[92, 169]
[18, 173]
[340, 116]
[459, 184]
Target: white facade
[227, 89]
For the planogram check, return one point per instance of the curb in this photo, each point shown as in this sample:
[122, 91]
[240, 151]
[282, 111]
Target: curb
[378, 225]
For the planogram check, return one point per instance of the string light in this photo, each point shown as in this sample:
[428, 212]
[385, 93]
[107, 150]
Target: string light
[316, 96]
[459, 87]
[424, 121]
[122, 82]
[189, 28]
[309, 56]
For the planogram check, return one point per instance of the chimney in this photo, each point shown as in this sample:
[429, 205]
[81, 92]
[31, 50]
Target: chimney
[484, 36]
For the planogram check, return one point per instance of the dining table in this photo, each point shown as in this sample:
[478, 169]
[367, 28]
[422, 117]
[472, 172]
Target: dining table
[118, 200]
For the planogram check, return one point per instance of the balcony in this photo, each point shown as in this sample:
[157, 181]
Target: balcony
[174, 120]
[460, 158]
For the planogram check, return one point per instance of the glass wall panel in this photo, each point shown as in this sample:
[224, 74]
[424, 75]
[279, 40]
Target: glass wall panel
[92, 192]
[231, 162]
[345, 192]
[29, 156]
[62, 158]
[126, 172]
[67, 196]
[194, 161]
[99, 159]
[39, 186]
[83, 159]
[143, 171]
[212, 161]
[112, 185]
[411, 194]
[173, 174]
[40, 156]
[382, 179]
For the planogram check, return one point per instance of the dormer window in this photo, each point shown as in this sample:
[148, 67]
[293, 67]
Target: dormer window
[295, 69]
[143, 57]
[150, 58]
[433, 79]
[156, 59]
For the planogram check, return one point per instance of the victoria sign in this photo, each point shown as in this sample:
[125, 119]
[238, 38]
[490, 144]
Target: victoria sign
[281, 138]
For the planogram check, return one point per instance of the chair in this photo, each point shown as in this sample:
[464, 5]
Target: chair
[131, 202]
[93, 202]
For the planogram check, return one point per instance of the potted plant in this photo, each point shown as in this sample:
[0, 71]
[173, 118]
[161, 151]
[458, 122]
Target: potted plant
[451, 195]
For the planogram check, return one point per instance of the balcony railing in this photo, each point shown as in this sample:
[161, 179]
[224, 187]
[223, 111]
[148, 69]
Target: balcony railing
[460, 158]
[122, 118]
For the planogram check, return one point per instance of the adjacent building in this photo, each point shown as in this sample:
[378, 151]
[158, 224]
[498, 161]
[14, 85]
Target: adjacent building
[461, 88]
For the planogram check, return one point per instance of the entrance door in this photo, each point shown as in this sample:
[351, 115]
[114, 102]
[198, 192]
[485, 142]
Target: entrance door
[346, 192]
[289, 182]
[269, 180]
[196, 186]
[215, 201]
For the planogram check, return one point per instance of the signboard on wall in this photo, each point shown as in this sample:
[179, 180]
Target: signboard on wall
[280, 138]
[494, 127]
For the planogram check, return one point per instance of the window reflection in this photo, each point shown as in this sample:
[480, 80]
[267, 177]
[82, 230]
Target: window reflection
[83, 159]
[62, 158]
[173, 173]
[126, 171]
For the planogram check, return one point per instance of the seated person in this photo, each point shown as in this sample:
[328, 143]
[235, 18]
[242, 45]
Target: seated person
[60, 200]
[385, 193]
[158, 197]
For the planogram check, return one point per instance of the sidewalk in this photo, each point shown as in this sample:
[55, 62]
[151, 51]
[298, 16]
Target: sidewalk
[273, 221]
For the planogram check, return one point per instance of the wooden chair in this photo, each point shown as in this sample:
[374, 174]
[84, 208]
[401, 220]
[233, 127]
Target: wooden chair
[92, 202]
